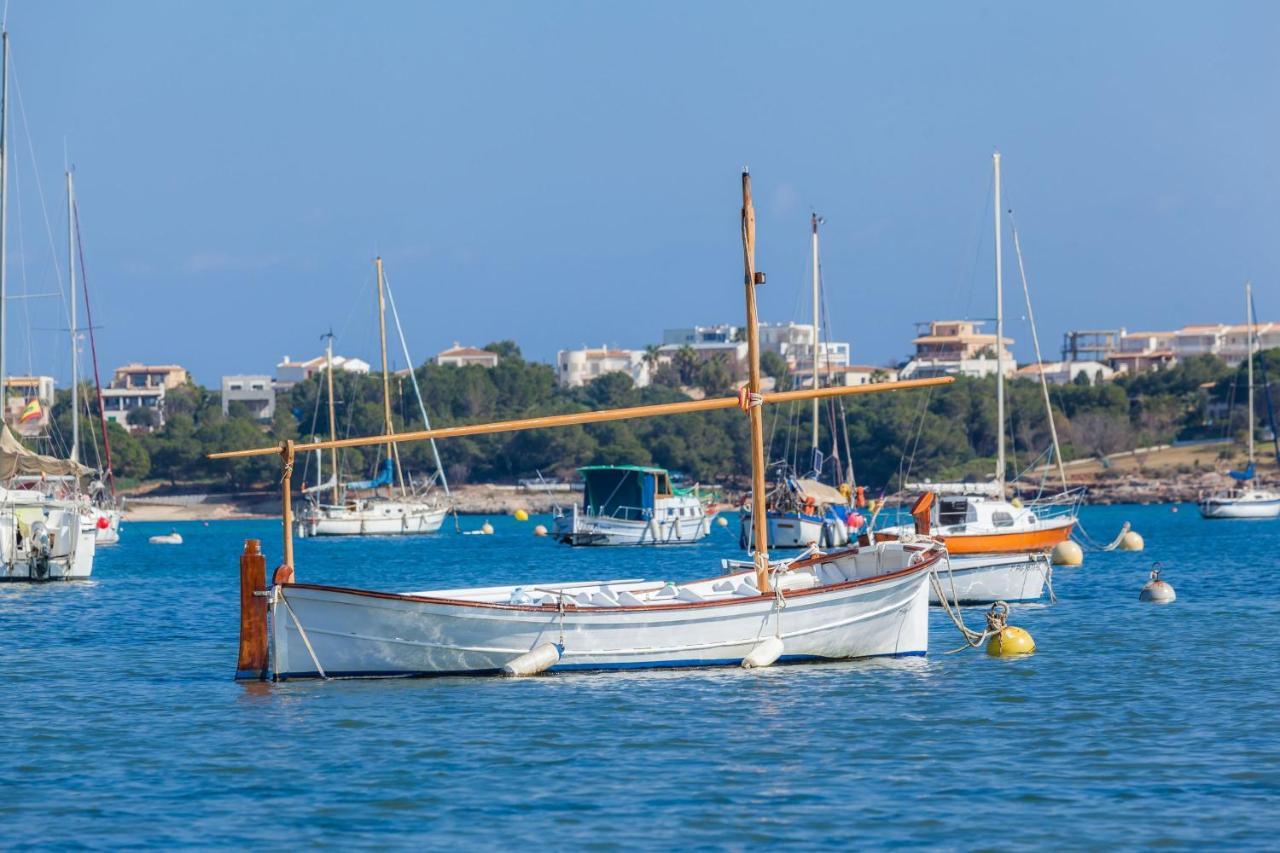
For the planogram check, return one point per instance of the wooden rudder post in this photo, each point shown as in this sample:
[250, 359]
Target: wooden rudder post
[253, 664]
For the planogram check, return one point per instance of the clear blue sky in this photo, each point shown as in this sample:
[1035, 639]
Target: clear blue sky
[567, 173]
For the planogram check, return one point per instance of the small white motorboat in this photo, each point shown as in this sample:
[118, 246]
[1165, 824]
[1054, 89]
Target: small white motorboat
[171, 538]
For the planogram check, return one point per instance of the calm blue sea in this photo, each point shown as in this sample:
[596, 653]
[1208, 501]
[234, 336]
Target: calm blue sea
[1132, 725]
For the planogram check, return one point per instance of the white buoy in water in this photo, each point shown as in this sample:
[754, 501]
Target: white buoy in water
[540, 530]
[533, 661]
[1132, 541]
[765, 653]
[486, 528]
[721, 521]
[1157, 591]
[1067, 553]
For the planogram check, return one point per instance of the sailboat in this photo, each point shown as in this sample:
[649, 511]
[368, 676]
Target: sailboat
[802, 511]
[42, 537]
[998, 547]
[1244, 501]
[103, 511]
[398, 511]
[858, 602]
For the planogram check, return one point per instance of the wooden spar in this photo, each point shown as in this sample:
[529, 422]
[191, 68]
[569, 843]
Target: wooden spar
[333, 421]
[601, 416]
[286, 456]
[759, 515]
[388, 426]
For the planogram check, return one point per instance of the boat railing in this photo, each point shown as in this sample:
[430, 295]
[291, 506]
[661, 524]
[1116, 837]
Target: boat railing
[1055, 506]
[623, 513]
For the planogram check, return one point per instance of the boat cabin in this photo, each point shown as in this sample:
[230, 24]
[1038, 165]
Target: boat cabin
[623, 491]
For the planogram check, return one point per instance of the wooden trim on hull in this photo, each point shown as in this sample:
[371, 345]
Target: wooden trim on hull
[792, 594]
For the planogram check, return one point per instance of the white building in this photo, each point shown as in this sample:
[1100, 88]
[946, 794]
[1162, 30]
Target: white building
[723, 333]
[117, 403]
[460, 356]
[256, 392]
[1064, 372]
[290, 372]
[956, 348]
[792, 341]
[575, 368]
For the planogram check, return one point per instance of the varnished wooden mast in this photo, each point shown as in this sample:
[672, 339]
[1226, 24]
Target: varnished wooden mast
[759, 518]
[629, 413]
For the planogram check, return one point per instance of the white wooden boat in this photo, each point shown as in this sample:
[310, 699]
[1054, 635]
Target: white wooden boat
[862, 602]
[631, 505]
[988, 578]
[868, 603]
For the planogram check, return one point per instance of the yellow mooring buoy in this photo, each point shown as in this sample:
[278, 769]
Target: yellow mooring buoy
[1067, 553]
[1157, 591]
[1006, 640]
[521, 515]
[1132, 541]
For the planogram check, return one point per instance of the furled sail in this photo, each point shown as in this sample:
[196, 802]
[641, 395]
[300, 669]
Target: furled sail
[1245, 475]
[384, 478]
[16, 461]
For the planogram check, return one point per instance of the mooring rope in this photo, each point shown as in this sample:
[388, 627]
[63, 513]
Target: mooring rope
[1083, 538]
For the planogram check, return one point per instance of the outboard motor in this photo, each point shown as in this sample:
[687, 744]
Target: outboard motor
[39, 547]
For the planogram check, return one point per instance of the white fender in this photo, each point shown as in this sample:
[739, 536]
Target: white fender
[533, 661]
[764, 654]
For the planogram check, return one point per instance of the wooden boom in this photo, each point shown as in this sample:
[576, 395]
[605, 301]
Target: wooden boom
[600, 416]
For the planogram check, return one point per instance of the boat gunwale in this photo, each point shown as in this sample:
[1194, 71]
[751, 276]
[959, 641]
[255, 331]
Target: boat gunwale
[927, 563]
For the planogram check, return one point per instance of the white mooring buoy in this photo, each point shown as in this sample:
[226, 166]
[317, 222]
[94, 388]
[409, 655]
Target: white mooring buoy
[540, 530]
[1157, 591]
[533, 661]
[1132, 541]
[1067, 553]
[721, 521]
[764, 654]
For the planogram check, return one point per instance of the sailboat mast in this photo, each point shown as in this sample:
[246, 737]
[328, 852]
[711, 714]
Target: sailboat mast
[816, 322]
[1248, 313]
[999, 337]
[759, 518]
[4, 211]
[388, 426]
[333, 420]
[71, 267]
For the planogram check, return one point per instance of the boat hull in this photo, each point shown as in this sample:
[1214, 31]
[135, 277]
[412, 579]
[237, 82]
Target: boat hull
[789, 530]
[579, 529]
[1037, 541]
[1227, 509]
[72, 544]
[986, 579]
[355, 633]
[392, 519]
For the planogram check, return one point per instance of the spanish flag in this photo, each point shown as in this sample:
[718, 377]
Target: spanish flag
[32, 411]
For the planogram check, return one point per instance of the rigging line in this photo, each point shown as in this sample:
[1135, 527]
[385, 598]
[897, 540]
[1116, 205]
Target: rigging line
[93, 349]
[839, 402]
[417, 391]
[924, 411]
[22, 269]
[44, 208]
